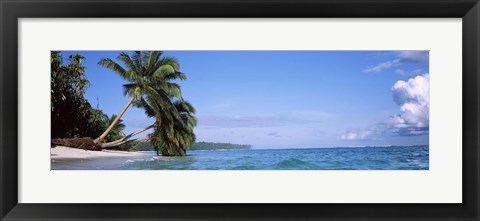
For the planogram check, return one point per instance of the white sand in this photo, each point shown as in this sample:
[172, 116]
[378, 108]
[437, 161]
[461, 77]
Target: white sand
[61, 152]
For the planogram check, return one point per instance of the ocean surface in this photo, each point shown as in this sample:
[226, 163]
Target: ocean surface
[342, 158]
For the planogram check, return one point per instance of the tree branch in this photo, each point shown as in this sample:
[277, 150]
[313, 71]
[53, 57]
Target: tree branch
[114, 143]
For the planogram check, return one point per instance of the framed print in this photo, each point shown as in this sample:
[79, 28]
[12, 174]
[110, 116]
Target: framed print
[228, 110]
[216, 125]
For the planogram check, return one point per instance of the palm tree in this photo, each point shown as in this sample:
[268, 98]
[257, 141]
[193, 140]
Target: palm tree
[149, 76]
[173, 127]
[172, 138]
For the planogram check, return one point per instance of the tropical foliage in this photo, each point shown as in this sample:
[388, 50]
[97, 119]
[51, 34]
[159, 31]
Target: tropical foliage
[173, 130]
[142, 146]
[218, 146]
[151, 86]
[71, 114]
[117, 130]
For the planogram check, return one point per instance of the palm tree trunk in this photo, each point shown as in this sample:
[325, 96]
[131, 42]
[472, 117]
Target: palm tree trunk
[113, 143]
[126, 141]
[101, 137]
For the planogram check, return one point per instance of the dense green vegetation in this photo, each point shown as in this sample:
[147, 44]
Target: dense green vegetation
[218, 146]
[71, 114]
[142, 146]
[151, 85]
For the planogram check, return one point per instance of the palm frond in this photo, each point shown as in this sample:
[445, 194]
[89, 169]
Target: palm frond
[166, 61]
[174, 76]
[114, 66]
[127, 60]
[137, 60]
[142, 103]
[151, 58]
[162, 71]
[170, 61]
[129, 89]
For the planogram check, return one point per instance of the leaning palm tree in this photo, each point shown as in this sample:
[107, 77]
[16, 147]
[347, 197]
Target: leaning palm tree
[173, 127]
[172, 137]
[148, 75]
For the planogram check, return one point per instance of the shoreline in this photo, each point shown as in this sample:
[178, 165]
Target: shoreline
[62, 152]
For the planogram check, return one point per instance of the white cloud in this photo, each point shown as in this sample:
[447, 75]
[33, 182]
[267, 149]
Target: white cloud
[408, 72]
[379, 67]
[353, 136]
[413, 97]
[368, 134]
[401, 58]
[413, 56]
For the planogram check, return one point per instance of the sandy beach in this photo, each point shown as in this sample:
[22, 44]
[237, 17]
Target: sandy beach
[61, 152]
[66, 158]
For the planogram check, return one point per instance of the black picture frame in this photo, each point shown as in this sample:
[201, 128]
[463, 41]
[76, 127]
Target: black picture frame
[12, 10]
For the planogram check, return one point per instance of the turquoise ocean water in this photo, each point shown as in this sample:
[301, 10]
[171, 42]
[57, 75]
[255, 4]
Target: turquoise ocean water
[341, 158]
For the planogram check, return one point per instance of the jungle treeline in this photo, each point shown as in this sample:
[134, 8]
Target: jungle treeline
[151, 83]
[145, 146]
[219, 146]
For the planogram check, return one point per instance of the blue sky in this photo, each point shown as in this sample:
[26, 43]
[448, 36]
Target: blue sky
[289, 99]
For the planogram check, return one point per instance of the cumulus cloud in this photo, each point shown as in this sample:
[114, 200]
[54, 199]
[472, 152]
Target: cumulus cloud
[401, 58]
[413, 97]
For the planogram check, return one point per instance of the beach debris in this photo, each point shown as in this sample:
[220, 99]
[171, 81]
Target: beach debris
[85, 143]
